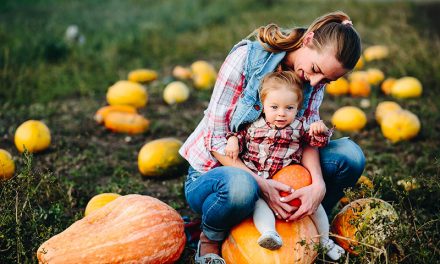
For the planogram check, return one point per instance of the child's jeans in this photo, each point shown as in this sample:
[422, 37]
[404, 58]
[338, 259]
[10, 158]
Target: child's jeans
[224, 196]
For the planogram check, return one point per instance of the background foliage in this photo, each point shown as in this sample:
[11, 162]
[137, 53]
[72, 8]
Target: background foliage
[44, 77]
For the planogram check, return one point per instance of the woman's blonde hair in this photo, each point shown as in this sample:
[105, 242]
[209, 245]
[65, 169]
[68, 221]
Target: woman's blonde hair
[331, 30]
[282, 80]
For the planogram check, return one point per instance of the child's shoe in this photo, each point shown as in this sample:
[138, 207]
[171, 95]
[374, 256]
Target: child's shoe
[333, 250]
[270, 240]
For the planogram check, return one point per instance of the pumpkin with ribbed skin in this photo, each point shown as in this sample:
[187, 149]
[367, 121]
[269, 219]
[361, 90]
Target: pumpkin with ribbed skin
[131, 229]
[349, 118]
[130, 123]
[241, 245]
[99, 201]
[370, 220]
[7, 165]
[160, 157]
[296, 176]
[32, 135]
[127, 93]
[102, 112]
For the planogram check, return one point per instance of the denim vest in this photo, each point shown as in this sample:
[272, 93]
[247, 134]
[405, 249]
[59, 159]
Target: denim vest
[259, 62]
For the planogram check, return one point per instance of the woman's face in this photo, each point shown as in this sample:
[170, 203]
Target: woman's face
[311, 65]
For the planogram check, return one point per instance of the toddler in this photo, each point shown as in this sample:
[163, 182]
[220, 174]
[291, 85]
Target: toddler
[276, 140]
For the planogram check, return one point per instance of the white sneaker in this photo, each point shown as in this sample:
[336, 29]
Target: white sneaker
[270, 240]
[333, 250]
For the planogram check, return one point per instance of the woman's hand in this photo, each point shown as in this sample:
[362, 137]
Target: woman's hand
[311, 197]
[270, 190]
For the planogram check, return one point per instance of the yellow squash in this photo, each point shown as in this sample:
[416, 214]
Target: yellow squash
[99, 201]
[159, 157]
[32, 135]
[7, 165]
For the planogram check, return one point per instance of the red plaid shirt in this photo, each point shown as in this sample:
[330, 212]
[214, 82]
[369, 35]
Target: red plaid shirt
[210, 134]
[266, 149]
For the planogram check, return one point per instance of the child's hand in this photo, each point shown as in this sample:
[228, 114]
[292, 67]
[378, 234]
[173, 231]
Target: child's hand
[232, 148]
[318, 128]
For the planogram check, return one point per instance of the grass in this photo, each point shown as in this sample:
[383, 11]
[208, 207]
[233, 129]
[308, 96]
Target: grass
[44, 77]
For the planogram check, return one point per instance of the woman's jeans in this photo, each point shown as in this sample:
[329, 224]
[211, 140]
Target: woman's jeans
[225, 196]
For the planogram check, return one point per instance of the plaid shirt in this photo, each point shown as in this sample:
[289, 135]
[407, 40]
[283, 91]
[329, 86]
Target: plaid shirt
[210, 133]
[266, 149]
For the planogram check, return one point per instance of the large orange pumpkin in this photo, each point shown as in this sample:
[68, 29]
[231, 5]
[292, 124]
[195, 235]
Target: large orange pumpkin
[131, 229]
[296, 176]
[299, 240]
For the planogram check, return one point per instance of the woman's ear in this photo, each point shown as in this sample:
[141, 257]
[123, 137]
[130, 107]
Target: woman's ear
[308, 38]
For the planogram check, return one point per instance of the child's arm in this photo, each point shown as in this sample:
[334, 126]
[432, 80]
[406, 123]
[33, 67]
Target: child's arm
[232, 148]
[318, 134]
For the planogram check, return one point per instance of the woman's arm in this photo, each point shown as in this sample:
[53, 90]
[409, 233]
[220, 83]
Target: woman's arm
[312, 195]
[270, 189]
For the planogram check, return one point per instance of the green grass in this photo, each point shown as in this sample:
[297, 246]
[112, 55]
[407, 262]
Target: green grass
[44, 77]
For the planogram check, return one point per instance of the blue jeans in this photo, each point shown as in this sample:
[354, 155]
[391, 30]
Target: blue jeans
[225, 196]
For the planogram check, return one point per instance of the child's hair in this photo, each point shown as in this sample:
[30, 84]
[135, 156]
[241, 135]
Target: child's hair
[333, 30]
[282, 80]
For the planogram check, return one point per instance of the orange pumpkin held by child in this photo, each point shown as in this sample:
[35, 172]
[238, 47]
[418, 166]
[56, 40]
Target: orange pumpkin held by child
[296, 176]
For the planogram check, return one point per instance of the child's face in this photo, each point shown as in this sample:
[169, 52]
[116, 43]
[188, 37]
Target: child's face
[280, 107]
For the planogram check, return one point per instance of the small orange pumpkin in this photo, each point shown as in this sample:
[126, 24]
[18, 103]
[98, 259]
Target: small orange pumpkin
[296, 176]
[299, 238]
[131, 123]
[131, 229]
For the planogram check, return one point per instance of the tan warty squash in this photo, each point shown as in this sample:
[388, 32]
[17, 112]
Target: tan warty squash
[32, 135]
[160, 157]
[99, 201]
[7, 165]
[102, 112]
[299, 241]
[130, 123]
[131, 229]
[370, 220]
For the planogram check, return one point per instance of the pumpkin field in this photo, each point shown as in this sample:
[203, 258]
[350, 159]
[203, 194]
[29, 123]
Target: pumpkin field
[96, 97]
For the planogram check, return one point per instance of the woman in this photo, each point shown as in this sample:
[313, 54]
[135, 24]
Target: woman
[224, 191]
